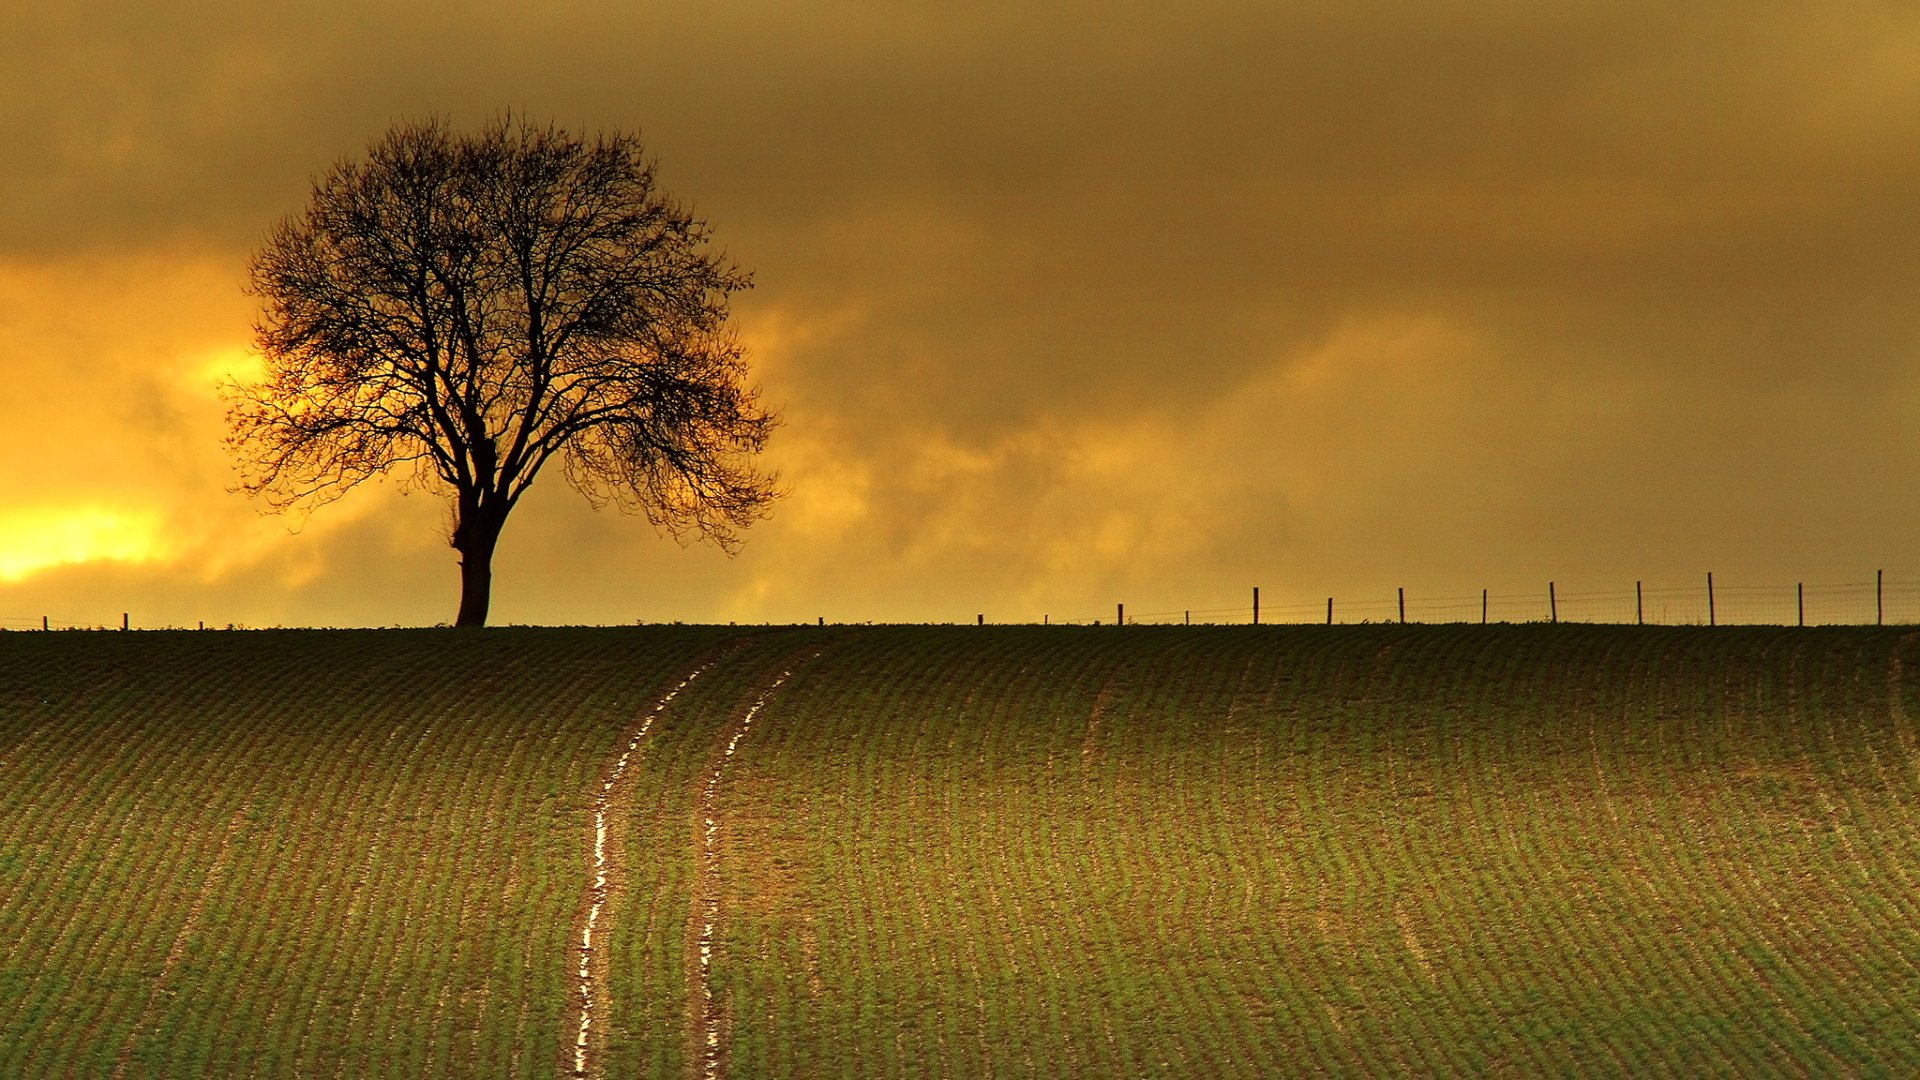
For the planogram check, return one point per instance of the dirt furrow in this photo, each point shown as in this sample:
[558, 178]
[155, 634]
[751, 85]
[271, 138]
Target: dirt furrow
[179, 948]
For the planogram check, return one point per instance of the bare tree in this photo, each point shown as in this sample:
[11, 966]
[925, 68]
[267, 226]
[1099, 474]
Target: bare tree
[465, 308]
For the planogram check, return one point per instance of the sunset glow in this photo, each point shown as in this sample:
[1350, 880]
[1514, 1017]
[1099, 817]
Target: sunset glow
[36, 540]
[1060, 306]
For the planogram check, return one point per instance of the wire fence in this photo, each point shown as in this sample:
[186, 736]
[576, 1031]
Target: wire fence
[1857, 603]
[121, 621]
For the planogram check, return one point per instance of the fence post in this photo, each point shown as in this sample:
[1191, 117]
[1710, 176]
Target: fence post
[1553, 605]
[1256, 605]
[1119, 614]
[1800, 602]
[1639, 607]
[1483, 607]
[1403, 605]
[43, 622]
[1879, 602]
[1329, 611]
[1710, 615]
[1186, 618]
[980, 620]
[123, 620]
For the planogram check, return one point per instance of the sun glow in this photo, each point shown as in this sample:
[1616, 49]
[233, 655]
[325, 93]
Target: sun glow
[237, 363]
[36, 539]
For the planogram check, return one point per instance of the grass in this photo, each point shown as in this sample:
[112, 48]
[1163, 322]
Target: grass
[1510, 850]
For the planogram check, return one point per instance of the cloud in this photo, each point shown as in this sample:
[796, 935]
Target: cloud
[1061, 302]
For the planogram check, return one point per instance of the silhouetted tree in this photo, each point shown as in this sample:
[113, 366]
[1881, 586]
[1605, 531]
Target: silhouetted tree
[464, 308]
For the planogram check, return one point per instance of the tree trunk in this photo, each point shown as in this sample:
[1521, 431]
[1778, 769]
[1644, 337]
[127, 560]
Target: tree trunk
[474, 536]
[476, 588]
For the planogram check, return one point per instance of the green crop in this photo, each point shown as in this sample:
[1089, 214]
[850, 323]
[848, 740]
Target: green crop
[962, 851]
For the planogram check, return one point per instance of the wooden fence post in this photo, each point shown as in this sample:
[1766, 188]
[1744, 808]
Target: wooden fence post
[43, 622]
[1639, 607]
[1879, 599]
[1553, 605]
[123, 620]
[1483, 607]
[1256, 605]
[980, 620]
[1120, 615]
[1403, 605]
[1329, 611]
[1711, 621]
[1800, 602]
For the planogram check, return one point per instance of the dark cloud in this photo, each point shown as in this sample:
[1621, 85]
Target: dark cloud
[1071, 300]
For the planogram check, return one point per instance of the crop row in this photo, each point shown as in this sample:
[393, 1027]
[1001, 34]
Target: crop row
[1383, 850]
[965, 852]
[301, 854]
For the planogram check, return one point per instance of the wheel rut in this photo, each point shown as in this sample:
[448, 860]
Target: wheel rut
[591, 971]
[708, 1018]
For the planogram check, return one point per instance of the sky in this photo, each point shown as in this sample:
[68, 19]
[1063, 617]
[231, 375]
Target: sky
[1064, 305]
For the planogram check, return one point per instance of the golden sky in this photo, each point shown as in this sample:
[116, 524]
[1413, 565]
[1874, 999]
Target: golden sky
[1066, 304]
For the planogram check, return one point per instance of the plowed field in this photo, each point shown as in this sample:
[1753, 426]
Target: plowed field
[961, 852]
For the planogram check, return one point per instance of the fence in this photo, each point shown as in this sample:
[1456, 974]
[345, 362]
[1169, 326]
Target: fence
[50, 622]
[1862, 603]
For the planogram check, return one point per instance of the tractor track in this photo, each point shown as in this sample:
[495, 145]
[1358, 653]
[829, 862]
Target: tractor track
[591, 971]
[708, 1018]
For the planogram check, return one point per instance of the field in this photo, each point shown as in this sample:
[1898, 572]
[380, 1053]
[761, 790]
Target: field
[961, 852]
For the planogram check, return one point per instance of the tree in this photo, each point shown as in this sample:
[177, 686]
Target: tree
[462, 309]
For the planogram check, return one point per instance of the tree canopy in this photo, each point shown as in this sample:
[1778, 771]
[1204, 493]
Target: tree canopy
[464, 308]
